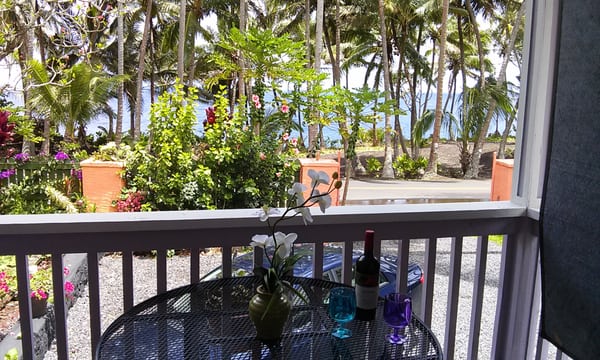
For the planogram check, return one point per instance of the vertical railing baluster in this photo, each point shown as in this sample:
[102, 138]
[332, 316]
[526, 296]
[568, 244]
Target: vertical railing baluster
[426, 310]
[453, 295]
[94, 298]
[62, 344]
[477, 303]
[22, 262]
[226, 260]
[194, 265]
[161, 271]
[318, 260]
[402, 266]
[127, 280]
[347, 262]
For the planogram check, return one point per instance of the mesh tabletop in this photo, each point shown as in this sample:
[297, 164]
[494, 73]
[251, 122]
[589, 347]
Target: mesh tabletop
[210, 320]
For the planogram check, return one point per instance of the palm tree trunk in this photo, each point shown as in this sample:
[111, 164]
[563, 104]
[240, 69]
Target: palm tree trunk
[313, 129]
[473, 171]
[140, 77]
[181, 43]
[433, 154]
[120, 72]
[387, 171]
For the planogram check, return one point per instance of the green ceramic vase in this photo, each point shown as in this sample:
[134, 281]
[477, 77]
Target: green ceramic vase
[271, 326]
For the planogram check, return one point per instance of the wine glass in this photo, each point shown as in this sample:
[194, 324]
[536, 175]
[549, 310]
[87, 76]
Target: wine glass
[397, 312]
[342, 308]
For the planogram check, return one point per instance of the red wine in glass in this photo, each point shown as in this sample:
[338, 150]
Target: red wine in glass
[397, 312]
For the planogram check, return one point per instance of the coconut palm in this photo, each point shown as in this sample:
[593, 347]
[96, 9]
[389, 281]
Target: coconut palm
[79, 95]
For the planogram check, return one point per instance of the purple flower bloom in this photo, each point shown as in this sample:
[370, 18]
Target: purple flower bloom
[61, 156]
[7, 173]
[21, 157]
[77, 173]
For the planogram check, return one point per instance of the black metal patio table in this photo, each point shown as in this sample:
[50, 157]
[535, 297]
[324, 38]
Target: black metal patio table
[209, 320]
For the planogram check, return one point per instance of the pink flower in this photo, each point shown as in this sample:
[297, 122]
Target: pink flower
[278, 174]
[286, 136]
[296, 151]
[69, 288]
[40, 294]
[255, 98]
[294, 142]
[263, 156]
[285, 109]
[257, 105]
[66, 271]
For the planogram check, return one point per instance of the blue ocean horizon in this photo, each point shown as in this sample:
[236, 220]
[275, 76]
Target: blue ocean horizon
[331, 132]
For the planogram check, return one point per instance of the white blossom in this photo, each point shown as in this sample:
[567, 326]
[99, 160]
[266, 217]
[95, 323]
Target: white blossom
[285, 243]
[319, 177]
[261, 240]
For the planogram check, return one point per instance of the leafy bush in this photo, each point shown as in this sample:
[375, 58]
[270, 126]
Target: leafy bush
[40, 185]
[374, 166]
[407, 168]
[165, 168]
[249, 170]
[230, 167]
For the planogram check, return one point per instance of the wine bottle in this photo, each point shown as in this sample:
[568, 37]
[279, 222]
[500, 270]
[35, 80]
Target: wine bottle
[367, 281]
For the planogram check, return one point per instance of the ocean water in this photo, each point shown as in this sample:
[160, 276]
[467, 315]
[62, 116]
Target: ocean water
[330, 132]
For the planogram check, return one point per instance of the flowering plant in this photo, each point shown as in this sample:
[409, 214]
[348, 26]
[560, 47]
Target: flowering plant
[40, 283]
[277, 245]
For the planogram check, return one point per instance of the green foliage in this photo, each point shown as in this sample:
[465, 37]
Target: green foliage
[230, 167]
[374, 166]
[407, 168]
[165, 168]
[112, 152]
[247, 170]
[41, 185]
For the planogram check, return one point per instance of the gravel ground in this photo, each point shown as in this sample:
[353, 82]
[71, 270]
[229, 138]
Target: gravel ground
[145, 280]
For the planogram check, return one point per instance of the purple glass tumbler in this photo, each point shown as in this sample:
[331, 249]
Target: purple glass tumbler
[397, 312]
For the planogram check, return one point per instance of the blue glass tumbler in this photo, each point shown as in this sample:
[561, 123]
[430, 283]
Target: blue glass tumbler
[342, 308]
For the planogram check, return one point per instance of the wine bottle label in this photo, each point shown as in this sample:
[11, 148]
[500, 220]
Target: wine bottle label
[366, 296]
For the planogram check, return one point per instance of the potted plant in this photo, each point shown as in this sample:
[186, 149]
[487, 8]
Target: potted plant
[270, 306]
[40, 285]
[102, 181]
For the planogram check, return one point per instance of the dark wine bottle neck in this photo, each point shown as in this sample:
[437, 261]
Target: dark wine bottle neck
[369, 236]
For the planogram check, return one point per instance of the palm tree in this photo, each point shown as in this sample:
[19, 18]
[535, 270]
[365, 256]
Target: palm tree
[140, 77]
[387, 172]
[432, 165]
[72, 100]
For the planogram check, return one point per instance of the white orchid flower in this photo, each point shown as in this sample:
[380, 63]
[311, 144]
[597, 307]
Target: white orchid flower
[306, 215]
[319, 177]
[285, 243]
[298, 190]
[266, 212]
[324, 202]
[261, 240]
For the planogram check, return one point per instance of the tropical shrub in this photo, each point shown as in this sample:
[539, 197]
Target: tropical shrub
[408, 168]
[229, 167]
[164, 167]
[40, 185]
[374, 166]
[248, 170]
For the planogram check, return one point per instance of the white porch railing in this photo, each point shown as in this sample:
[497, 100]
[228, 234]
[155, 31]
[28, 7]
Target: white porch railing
[517, 306]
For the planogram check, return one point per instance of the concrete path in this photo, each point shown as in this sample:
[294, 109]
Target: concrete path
[375, 192]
